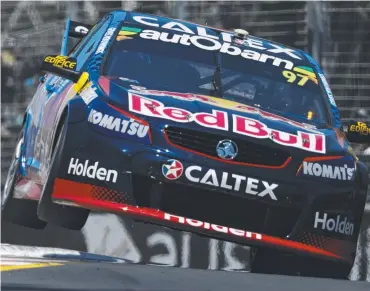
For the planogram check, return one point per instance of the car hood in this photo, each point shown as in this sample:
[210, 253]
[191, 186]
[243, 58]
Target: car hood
[138, 100]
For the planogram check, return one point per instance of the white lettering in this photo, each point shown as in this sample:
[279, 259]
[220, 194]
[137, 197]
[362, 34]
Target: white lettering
[252, 186]
[93, 171]
[105, 40]
[337, 224]
[131, 127]
[328, 171]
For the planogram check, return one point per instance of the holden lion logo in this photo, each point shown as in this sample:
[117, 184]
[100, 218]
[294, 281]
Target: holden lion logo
[227, 149]
[172, 169]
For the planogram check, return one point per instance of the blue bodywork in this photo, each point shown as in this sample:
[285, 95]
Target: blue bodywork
[131, 131]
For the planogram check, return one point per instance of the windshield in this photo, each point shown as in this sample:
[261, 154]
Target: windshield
[163, 61]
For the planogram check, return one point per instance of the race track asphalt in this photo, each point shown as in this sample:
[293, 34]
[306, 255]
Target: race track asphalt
[92, 276]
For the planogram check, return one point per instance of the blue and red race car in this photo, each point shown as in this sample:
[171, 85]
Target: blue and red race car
[215, 132]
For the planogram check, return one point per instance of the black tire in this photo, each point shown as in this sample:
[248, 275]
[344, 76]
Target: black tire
[18, 211]
[269, 261]
[62, 215]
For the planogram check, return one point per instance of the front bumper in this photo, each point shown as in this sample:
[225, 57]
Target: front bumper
[142, 191]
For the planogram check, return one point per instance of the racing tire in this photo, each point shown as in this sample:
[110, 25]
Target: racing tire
[18, 211]
[69, 217]
[268, 261]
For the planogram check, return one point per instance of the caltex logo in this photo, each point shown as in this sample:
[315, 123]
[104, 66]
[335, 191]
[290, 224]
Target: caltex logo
[172, 169]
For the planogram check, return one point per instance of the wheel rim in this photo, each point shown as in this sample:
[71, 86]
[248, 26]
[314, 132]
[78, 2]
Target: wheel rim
[11, 173]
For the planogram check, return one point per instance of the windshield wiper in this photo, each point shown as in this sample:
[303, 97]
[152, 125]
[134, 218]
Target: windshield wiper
[216, 82]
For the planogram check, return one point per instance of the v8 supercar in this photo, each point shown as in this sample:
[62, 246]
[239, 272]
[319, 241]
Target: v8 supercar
[215, 132]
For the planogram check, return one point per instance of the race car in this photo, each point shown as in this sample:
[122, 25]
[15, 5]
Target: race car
[215, 132]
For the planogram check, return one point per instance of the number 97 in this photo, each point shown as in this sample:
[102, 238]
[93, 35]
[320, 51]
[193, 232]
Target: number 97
[291, 77]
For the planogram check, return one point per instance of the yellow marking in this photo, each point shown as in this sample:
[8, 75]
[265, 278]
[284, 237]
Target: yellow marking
[27, 266]
[122, 37]
[305, 72]
[77, 87]
[127, 33]
[309, 115]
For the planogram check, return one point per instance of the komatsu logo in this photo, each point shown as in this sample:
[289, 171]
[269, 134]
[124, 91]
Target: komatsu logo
[336, 224]
[130, 127]
[328, 171]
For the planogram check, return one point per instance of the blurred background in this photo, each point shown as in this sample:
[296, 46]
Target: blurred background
[336, 33]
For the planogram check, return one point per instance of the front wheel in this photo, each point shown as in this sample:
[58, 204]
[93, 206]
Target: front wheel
[18, 211]
[269, 261]
[65, 216]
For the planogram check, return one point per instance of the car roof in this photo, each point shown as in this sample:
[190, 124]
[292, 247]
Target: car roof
[162, 20]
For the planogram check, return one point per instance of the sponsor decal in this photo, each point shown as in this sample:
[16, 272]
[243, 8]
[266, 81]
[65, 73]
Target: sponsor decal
[211, 226]
[227, 149]
[223, 103]
[335, 224]
[327, 89]
[328, 171]
[172, 169]
[126, 32]
[219, 120]
[123, 125]
[233, 182]
[361, 127]
[211, 44]
[91, 170]
[61, 62]
[88, 94]
[81, 29]
[303, 74]
[201, 35]
[105, 40]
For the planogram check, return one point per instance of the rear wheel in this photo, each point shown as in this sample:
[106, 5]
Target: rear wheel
[66, 216]
[268, 261]
[18, 211]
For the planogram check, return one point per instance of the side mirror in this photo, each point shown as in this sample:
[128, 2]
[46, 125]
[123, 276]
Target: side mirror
[358, 132]
[62, 66]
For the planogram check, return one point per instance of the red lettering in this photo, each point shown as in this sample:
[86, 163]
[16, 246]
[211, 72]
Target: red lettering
[143, 105]
[284, 138]
[218, 119]
[250, 127]
[312, 142]
[177, 114]
[320, 147]
[305, 137]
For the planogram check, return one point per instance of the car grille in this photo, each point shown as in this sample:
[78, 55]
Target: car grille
[205, 144]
